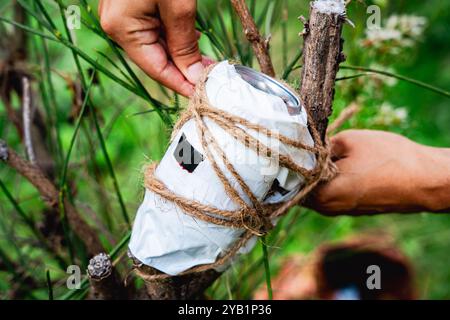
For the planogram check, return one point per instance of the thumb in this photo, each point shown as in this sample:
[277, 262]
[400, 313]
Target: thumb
[339, 147]
[178, 18]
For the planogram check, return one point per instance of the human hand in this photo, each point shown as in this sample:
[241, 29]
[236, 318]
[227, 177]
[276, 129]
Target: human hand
[382, 172]
[159, 36]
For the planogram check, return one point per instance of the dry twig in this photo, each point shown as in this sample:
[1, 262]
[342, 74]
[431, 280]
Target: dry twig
[259, 43]
[343, 117]
[27, 119]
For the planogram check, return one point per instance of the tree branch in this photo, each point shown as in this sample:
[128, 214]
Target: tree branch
[321, 58]
[184, 287]
[105, 281]
[259, 43]
[50, 195]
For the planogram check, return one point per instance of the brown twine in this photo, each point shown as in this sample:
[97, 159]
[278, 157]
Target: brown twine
[256, 217]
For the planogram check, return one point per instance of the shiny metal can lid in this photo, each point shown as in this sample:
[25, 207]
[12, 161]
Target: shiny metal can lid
[271, 86]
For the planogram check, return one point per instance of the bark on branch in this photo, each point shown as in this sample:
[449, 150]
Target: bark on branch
[259, 43]
[184, 287]
[321, 58]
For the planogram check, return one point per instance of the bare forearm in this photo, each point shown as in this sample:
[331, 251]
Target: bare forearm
[382, 172]
[436, 181]
[446, 152]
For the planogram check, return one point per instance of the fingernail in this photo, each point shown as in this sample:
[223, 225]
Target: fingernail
[194, 72]
[188, 90]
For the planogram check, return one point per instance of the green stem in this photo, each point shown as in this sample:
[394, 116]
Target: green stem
[287, 228]
[359, 75]
[267, 267]
[400, 77]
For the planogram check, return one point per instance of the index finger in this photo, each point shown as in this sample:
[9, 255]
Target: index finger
[153, 60]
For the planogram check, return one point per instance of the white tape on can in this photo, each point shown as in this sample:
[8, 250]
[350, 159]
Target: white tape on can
[171, 241]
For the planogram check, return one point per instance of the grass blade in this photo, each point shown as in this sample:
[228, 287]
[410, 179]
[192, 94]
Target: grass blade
[32, 226]
[269, 17]
[205, 27]
[267, 268]
[263, 14]
[49, 285]
[284, 34]
[109, 165]
[114, 65]
[291, 65]
[98, 130]
[75, 133]
[225, 36]
[60, 39]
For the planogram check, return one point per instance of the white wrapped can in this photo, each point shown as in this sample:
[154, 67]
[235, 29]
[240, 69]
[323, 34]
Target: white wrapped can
[166, 238]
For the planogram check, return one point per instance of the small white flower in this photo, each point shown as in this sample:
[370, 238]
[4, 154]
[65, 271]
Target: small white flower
[379, 35]
[390, 116]
[399, 31]
[401, 114]
[408, 25]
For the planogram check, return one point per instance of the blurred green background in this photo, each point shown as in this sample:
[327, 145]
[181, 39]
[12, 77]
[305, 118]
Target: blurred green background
[134, 135]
